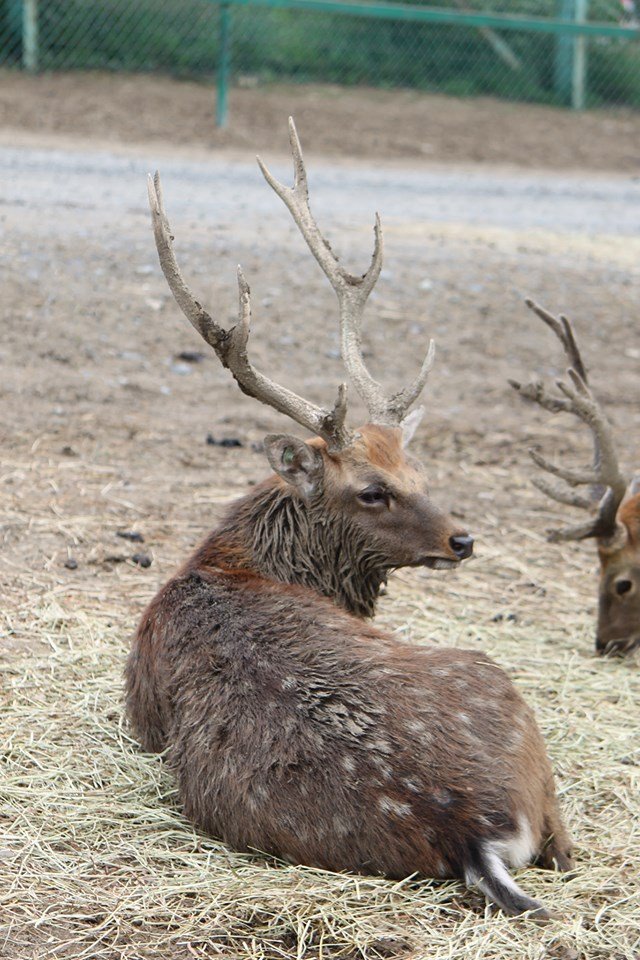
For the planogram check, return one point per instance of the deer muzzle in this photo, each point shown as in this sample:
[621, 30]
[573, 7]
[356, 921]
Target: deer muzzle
[462, 545]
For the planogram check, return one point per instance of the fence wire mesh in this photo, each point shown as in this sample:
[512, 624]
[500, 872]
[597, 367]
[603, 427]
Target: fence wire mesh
[266, 44]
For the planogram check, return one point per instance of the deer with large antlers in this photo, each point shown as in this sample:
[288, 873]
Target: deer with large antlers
[293, 726]
[612, 500]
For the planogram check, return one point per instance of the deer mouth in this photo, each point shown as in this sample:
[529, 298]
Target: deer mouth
[438, 563]
[618, 647]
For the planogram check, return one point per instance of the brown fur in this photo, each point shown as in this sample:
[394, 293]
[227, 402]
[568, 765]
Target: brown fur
[618, 629]
[294, 727]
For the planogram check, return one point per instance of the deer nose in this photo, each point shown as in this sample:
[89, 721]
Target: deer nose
[462, 546]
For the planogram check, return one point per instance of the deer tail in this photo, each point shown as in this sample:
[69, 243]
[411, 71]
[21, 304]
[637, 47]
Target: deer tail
[489, 873]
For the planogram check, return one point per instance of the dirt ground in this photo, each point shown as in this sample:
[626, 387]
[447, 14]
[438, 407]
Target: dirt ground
[104, 430]
[372, 124]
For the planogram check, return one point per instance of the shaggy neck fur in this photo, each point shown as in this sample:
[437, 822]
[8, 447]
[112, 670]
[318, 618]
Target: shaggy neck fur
[285, 538]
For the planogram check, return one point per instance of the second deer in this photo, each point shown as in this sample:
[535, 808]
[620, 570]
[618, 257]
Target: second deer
[292, 725]
[612, 499]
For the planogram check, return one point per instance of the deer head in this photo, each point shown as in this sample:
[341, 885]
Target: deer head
[362, 480]
[613, 502]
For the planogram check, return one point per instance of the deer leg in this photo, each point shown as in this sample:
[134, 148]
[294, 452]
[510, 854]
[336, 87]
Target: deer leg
[556, 852]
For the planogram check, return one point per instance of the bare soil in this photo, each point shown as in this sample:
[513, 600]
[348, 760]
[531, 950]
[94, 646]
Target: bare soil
[104, 422]
[339, 122]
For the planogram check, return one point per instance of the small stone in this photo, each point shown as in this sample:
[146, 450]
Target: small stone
[131, 535]
[226, 442]
[142, 559]
[71, 563]
[190, 356]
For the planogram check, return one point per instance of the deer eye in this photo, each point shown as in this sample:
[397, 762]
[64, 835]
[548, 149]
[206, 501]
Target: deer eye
[623, 586]
[374, 495]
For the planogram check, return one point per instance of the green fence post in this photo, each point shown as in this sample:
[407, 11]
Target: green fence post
[30, 56]
[563, 65]
[224, 58]
[571, 57]
[579, 71]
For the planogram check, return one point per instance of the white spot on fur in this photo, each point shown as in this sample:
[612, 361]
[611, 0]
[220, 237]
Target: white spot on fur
[482, 702]
[355, 724]
[464, 718]
[416, 726]
[414, 785]
[389, 805]
[383, 767]
[288, 683]
[348, 764]
[341, 827]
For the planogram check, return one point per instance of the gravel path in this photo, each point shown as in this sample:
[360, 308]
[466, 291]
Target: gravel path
[100, 188]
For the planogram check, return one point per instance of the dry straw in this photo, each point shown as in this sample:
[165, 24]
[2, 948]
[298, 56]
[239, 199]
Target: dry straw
[96, 860]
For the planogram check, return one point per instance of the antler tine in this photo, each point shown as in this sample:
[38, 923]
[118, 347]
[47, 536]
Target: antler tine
[197, 316]
[584, 405]
[563, 329]
[231, 345]
[556, 492]
[578, 399]
[603, 525]
[352, 293]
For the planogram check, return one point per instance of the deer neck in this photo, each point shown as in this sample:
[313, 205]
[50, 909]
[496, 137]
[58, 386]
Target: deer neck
[287, 539]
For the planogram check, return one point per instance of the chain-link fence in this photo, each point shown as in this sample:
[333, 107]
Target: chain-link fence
[269, 43]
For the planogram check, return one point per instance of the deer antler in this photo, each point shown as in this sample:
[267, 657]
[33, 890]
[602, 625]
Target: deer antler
[578, 399]
[231, 345]
[352, 293]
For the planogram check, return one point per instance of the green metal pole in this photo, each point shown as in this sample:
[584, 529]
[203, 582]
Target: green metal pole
[30, 56]
[563, 66]
[403, 11]
[224, 60]
[579, 71]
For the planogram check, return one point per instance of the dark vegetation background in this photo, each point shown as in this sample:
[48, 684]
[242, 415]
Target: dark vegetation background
[181, 37]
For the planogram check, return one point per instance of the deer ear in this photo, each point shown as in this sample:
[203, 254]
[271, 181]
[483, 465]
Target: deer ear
[410, 424]
[296, 462]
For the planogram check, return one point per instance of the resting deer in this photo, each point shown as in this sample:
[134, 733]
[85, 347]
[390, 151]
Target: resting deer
[613, 501]
[293, 726]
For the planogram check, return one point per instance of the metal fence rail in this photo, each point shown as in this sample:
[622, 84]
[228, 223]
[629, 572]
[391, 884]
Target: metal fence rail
[567, 52]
